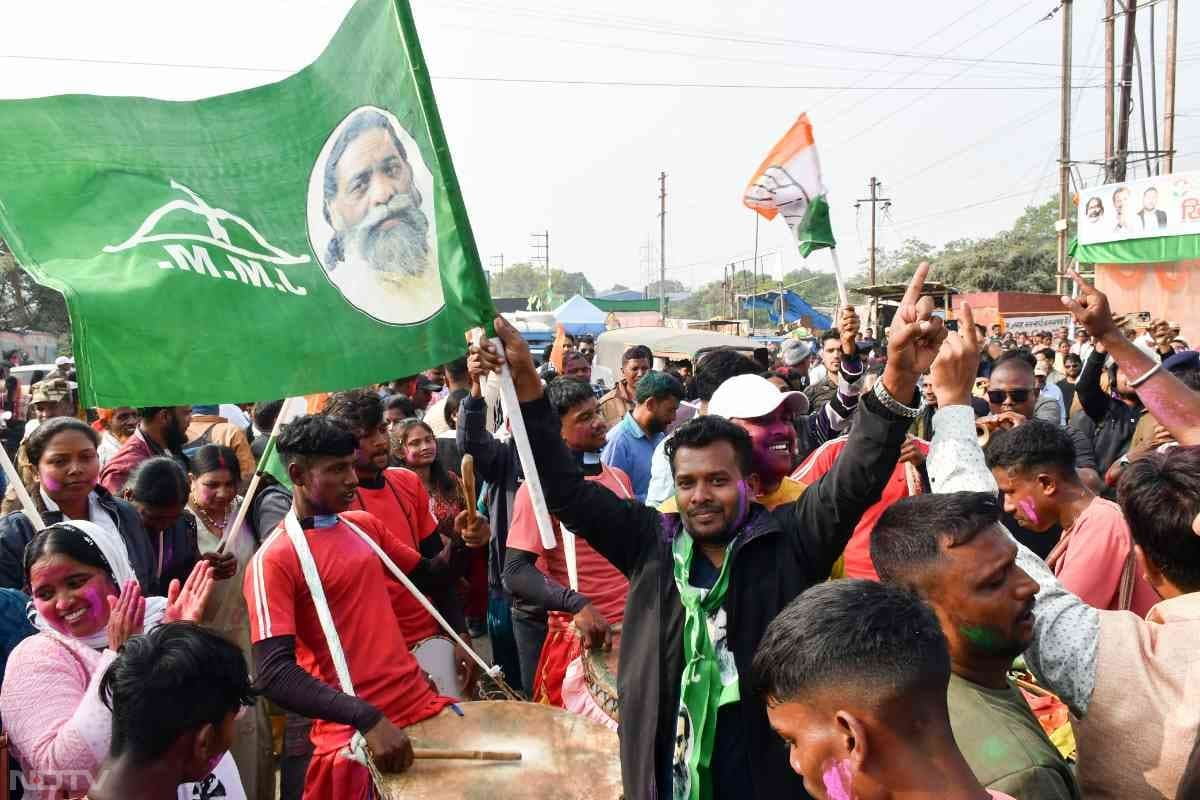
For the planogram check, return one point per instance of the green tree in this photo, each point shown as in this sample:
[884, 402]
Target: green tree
[671, 286]
[525, 280]
[25, 305]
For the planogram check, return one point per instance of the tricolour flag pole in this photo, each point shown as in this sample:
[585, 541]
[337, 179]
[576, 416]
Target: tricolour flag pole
[231, 531]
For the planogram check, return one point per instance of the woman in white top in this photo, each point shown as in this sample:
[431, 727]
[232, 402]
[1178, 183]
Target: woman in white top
[214, 501]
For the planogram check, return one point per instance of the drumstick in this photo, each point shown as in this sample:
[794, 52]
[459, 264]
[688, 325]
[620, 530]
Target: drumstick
[468, 479]
[469, 755]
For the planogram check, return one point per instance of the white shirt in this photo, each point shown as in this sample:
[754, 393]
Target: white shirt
[96, 513]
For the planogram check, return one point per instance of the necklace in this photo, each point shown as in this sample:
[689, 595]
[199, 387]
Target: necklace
[209, 522]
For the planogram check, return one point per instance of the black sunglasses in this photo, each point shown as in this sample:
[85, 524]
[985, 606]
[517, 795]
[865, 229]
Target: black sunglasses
[996, 396]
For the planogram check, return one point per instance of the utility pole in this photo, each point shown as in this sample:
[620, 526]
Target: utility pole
[1110, 79]
[1064, 158]
[1126, 102]
[498, 261]
[874, 186]
[1169, 87]
[541, 243]
[662, 248]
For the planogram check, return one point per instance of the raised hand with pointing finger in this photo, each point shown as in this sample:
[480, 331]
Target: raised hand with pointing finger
[915, 338]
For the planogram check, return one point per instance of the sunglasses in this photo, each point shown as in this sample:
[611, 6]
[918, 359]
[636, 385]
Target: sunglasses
[996, 396]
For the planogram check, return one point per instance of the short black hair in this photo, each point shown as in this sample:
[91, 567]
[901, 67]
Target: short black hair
[831, 333]
[456, 370]
[658, 386]
[1032, 445]
[148, 412]
[358, 409]
[265, 413]
[314, 436]
[403, 403]
[1074, 358]
[717, 366]
[160, 482]
[212, 457]
[909, 534]
[703, 431]
[638, 351]
[565, 394]
[172, 680]
[1190, 375]
[39, 440]
[1160, 495]
[66, 539]
[1020, 358]
[451, 406]
[869, 641]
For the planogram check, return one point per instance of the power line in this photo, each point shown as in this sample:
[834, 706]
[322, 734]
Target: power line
[553, 81]
[665, 28]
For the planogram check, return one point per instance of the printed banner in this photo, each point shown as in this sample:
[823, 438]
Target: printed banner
[1166, 205]
[299, 237]
[1042, 322]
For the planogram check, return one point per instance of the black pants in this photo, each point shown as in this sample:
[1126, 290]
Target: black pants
[530, 633]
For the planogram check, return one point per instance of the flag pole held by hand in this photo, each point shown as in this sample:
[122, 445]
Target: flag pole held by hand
[14, 480]
[253, 487]
[516, 422]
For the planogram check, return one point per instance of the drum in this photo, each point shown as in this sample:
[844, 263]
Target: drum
[436, 656]
[600, 667]
[563, 756]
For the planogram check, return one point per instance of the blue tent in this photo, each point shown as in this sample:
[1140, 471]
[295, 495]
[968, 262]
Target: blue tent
[794, 308]
[578, 316]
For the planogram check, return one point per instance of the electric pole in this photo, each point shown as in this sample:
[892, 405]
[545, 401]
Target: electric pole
[498, 261]
[1110, 79]
[1064, 158]
[662, 248]
[541, 243]
[1126, 102]
[874, 200]
[1169, 88]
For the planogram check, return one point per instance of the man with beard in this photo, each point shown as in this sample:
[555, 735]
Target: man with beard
[952, 551]
[380, 255]
[162, 432]
[721, 554]
[538, 578]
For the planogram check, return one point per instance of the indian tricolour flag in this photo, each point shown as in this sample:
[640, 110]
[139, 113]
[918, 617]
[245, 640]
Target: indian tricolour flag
[788, 182]
[300, 237]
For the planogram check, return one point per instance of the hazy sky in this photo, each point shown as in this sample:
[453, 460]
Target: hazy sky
[950, 104]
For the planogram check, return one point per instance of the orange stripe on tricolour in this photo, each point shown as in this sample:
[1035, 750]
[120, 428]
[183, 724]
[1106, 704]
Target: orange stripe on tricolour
[799, 137]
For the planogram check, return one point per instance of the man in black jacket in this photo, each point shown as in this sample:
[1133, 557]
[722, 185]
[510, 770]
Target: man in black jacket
[704, 583]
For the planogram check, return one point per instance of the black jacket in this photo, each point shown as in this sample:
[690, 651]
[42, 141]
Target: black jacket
[1115, 421]
[16, 531]
[776, 556]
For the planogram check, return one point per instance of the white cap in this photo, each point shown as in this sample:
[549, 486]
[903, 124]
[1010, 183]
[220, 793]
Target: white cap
[750, 396]
[63, 361]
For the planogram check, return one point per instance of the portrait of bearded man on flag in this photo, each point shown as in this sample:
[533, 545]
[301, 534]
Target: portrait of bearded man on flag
[374, 232]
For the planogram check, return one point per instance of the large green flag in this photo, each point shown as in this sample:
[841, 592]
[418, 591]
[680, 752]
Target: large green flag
[303, 236]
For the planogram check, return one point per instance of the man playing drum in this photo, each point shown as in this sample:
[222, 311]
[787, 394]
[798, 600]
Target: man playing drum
[599, 602]
[397, 498]
[704, 583]
[294, 660]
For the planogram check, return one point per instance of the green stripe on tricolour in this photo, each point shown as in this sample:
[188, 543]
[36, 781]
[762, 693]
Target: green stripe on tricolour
[1138, 251]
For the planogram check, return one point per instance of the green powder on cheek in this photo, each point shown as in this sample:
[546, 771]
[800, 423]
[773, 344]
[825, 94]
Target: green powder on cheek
[981, 637]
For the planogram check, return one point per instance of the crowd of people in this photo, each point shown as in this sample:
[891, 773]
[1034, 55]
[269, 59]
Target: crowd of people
[934, 564]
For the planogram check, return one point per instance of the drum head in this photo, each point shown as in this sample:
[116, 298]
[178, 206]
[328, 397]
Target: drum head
[564, 756]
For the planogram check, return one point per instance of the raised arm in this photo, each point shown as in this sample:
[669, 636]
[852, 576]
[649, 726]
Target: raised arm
[1171, 402]
[1092, 398]
[493, 458]
[620, 530]
[825, 515]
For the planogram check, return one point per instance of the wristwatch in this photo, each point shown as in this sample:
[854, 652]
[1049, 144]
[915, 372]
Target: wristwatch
[895, 406]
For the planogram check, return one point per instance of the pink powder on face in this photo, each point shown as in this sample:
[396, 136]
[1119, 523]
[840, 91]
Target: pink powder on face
[837, 780]
[1026, 506]
[50, 483]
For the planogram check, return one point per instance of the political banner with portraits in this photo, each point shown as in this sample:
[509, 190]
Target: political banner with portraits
[1164, 205]
[303, 236]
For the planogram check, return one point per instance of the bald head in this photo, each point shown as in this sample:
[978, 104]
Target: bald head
[1012, 386]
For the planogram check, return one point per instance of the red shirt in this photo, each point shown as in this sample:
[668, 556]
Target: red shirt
[402, 505]
[857, 554]
[355, 581]
[136, 449]
[599, 581]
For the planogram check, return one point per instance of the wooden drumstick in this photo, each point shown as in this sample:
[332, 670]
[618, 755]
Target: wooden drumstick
[468, 479]
[468, 755]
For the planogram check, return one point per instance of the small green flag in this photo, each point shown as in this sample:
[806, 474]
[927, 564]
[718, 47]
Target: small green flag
[304, 236]
[815, 231]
